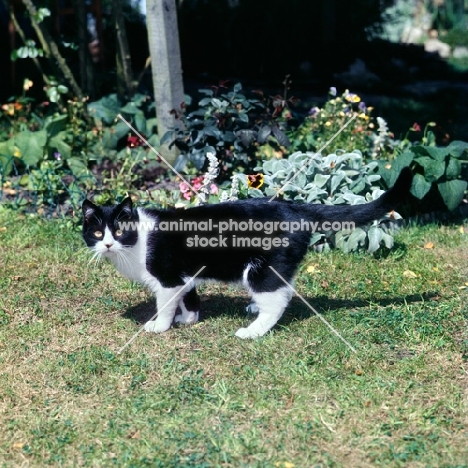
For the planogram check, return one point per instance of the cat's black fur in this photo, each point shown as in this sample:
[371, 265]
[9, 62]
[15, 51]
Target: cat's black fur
[170, 261]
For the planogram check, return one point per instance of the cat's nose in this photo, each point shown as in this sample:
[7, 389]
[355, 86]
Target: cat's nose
[108, 245]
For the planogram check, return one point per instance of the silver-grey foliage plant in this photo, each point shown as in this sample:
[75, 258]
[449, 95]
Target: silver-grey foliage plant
[334, 179]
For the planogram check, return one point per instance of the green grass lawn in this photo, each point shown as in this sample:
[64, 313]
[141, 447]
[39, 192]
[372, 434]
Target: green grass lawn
[199, 397]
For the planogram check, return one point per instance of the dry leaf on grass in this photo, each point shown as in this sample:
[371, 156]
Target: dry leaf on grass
[409, 274]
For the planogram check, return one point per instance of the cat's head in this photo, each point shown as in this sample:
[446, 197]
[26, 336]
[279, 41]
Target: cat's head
[107, 230]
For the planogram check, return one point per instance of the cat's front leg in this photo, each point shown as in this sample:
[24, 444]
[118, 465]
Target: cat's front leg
[166, 302]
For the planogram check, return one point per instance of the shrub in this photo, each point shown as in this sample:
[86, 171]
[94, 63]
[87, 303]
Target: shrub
[230, 125]
[434, 167]
[349, 116]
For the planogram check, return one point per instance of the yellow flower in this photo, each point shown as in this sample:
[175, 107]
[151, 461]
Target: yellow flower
[8, 109]
[17, 152]
[364, 116]
[27, 84]
[327, 123]
[312, 269]
[350, 97]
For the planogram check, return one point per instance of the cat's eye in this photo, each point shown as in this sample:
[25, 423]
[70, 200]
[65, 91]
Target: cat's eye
[118, 233]
[98, 234]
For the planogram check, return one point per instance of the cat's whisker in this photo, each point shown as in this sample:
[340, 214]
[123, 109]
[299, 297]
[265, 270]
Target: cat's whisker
[96, 258]
[123, 259]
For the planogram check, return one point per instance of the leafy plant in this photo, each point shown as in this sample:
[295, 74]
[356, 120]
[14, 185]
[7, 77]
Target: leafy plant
[334, 179]
[344, 122]
[441, 168]
[230, 125]
[29, 50]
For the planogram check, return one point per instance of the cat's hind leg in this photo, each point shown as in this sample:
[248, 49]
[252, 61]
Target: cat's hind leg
[190, 308]
[271, 306]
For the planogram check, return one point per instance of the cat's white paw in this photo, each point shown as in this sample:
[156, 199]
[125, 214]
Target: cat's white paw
[252, 308]
[156, 327]
[246, 334]
[187, 318]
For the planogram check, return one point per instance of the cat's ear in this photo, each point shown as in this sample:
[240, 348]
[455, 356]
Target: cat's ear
[126, 206]
[89, 209]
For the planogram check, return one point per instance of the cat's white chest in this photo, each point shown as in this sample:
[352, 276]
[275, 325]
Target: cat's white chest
[133, 263]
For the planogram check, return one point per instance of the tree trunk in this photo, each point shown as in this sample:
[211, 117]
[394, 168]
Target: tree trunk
[80, 14]
[163, 37]
[125, 83]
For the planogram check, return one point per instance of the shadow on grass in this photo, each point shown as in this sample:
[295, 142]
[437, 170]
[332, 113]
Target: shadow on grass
[216, 305]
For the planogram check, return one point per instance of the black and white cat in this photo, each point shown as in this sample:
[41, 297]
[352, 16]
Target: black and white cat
[255, 241]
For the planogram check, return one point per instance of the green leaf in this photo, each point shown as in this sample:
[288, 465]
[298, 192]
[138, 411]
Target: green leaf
[53, 94]
[263, 134]
[358, 187]
[335, 182]
[130, 108]
[31, 146]
[23, 52]
[356, 238]
[390, 174]
[438, 154]
[105, 109]
[255, 193]
[320, 180]
[433, 170]
[153, 140]
[452, 192]
[55, 125]
[60, 145]
[32, 52]
[151, 126]
[375, 236]
[388, 240]
[458, 149]
[168, 137]
[7, 149]
[77, 166]
[140, 121]
[316, 236]
[454, 168]
[280, 136]
[6, 165]
[420, 186]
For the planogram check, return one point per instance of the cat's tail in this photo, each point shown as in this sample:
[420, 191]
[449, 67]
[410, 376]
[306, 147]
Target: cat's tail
[367, 212]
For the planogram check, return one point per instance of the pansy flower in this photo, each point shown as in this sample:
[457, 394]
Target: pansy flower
[255, 180]
[351, 97]
[135, 141]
